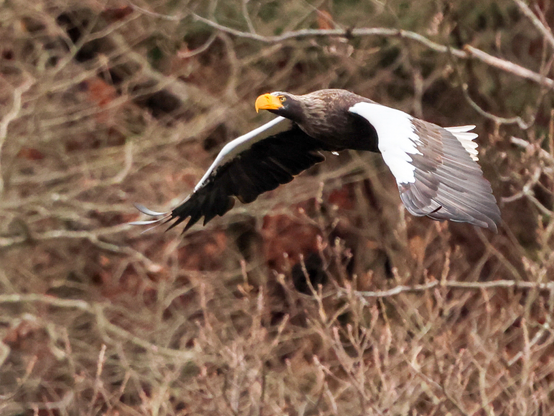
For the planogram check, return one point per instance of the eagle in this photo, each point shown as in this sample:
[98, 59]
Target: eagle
[435, 167]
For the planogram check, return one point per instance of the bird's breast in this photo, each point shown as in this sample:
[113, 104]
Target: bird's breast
[341, 130]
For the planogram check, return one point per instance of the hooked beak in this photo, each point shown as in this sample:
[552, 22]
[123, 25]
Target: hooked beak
[267, 102]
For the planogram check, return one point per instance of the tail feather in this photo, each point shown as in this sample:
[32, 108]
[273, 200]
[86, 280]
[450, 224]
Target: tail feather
[462, 133]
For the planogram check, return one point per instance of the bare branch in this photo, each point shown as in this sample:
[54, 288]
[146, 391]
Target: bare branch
[546, 287]
[531, 147]
[246, 16]
[10, 116]
[545, 31]
[48, 300]
[57, 234]
[468, 52]
[498, 120]
[509, 67]
[103, 323]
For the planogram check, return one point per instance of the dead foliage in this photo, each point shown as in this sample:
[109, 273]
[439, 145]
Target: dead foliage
[324, 297]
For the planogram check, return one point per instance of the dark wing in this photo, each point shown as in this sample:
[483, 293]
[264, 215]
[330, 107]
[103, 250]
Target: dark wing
[245, 168]
[436, 168]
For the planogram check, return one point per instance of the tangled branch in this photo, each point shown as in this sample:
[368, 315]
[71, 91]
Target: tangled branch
[103, 323]
[468, 52]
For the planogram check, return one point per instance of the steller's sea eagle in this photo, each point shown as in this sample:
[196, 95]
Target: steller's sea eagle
[435, 168]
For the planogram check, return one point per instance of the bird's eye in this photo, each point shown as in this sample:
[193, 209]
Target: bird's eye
[282, 99]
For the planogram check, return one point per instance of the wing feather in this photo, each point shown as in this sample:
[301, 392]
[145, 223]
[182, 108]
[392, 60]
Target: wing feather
[436, 168]
[255, 163]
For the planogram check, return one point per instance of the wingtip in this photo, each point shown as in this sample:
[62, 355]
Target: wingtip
[495, 225]
[490, 226]
[145, 222]
[159, 217]
[147, 211]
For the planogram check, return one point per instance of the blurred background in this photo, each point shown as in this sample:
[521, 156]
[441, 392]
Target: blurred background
[323, 297]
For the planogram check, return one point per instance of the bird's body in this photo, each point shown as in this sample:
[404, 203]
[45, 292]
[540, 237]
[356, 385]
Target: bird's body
[435, 168]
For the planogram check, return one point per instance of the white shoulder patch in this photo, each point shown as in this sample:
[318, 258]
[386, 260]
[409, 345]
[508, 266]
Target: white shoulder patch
[466, 139]
[237, 146]
[396, 137]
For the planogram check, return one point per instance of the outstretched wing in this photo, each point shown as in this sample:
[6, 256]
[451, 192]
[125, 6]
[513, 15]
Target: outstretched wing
[435, 168]
[248, 166]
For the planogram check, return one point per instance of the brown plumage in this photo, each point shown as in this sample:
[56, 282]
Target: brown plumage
[324, 115]
[436, 168]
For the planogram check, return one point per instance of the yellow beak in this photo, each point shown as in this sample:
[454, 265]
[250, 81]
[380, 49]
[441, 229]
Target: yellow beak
[267, 102]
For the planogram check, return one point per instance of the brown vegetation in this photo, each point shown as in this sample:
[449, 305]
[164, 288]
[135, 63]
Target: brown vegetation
[322, 297]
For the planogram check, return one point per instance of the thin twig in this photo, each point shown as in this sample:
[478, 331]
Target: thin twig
[495, 284]
[545, 31]
[49, 300]
[10, 116]
[538, 336]
[102, 321]
[510, 67]
[56, 234]
[127, 166]
[532, 147]
[246, 16]
[522, 124]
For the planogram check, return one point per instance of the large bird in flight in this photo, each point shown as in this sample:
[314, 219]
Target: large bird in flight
[435, 168]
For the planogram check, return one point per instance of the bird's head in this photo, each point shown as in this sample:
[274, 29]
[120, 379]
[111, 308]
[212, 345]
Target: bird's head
[280, 103]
